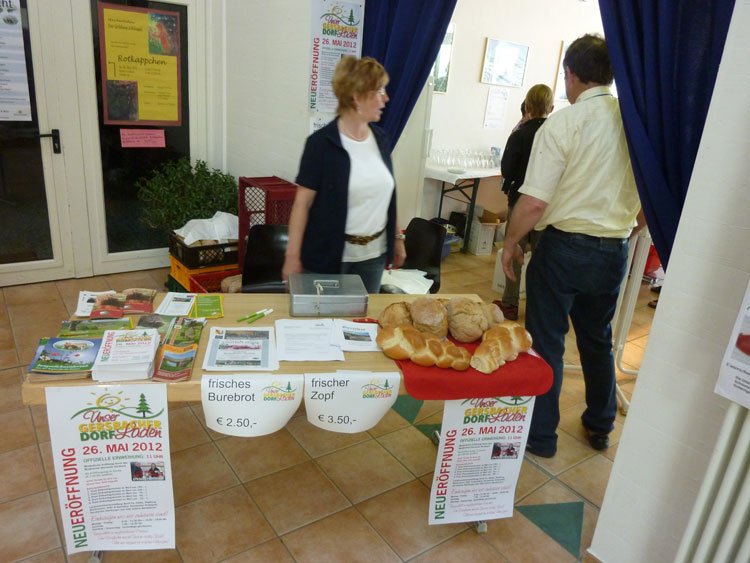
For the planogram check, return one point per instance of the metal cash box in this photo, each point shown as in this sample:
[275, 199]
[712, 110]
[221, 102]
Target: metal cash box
[326, 295]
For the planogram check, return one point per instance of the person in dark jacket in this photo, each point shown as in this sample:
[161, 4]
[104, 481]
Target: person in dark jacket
[343, 219]
[538, 105]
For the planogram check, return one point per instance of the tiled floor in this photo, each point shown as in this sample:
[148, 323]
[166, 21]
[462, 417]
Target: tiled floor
[302, 494]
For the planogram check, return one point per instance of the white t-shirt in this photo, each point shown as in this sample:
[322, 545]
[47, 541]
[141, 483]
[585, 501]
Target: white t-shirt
[371, 186]
[580, 166]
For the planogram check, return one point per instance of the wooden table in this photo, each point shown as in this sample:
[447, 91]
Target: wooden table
[237, 305]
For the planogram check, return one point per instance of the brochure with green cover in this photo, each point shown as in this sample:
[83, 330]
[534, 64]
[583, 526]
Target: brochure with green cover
[208, 306]
[92, 328]
[65, 355]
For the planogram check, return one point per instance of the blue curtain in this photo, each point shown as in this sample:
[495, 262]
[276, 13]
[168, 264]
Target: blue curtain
[665, 55]
[405, 36]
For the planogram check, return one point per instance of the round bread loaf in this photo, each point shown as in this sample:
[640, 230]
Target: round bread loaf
[395, 314]
[466, 319]
[429, 315]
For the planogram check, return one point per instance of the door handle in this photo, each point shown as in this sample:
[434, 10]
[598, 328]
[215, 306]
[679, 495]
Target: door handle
[55, 134]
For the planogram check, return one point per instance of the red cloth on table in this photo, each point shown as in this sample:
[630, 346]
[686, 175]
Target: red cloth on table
[526, 375]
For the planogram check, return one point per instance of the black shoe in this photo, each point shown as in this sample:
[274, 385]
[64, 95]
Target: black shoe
[597, 440]
[540, 452]
[656, 289]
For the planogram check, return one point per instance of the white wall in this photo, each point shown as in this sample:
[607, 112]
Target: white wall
[458, 115]
[675, 416]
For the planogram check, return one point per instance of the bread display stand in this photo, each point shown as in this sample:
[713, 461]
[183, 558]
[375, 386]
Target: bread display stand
[518, 382]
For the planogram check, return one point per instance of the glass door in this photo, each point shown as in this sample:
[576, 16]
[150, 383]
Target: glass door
[35, 237]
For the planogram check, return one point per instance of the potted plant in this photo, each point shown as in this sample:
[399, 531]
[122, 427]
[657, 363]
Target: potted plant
[178, 192]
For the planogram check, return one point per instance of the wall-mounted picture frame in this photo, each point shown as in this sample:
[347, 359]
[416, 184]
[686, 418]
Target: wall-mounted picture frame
[441, 68]
[504, 63]
[560, 93]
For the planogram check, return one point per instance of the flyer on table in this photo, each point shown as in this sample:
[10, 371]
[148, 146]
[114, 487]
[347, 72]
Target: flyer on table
[734, 374]
[481, 450]
[110, 446]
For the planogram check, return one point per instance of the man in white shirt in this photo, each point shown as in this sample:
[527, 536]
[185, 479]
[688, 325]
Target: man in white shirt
[580, 191]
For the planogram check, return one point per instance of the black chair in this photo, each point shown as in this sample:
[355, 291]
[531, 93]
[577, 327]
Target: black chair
[424, 249]
[264, 258]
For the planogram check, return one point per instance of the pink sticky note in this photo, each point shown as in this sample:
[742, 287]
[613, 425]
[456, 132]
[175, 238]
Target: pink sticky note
[131, 138]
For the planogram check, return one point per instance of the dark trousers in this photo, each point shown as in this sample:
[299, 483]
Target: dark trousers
[576, 276]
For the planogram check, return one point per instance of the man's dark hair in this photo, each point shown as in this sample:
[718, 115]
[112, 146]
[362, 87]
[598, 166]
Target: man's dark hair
[588, 58]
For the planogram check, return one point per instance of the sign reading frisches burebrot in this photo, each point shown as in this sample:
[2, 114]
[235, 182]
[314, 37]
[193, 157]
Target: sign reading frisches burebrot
[110, 445]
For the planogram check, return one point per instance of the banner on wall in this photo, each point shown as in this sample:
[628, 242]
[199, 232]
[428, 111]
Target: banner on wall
[15, 104]
[734, 373]
[479, 459]
[140, 57]
[110, 446]
[336, 32]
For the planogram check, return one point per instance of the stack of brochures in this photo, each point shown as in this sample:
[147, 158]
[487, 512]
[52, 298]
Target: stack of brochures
[65, 356]
[126, 354]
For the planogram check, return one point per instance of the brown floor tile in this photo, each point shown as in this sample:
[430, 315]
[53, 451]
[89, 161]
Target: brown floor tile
[160, 276]
[18, 430]
[400, 517]
[9, 359]
[6, 337]
[428, 410]
[127, 280]
[551, 492]
[21, 473]
[570, 422]
[198, 472]
[412, 448]
[530, 479]
[184, 430]
[466, 546]
[30, 294]
[23, 317]
[216, 527]
[197, 409]
[345, 536]
[272, 551]
[54, 556]
[390, 422]
[589, 479]
[317, 441]
[48, 463]
[256, 457]
[29, 335]
[364, 470]
[518, 539]
[611, 452]
[72, 287]
[570, 452]
[288, 507]
[19, 539]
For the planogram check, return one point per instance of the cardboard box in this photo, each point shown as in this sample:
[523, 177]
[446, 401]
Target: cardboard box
[481, 238]
[489, 217]
[498, 279]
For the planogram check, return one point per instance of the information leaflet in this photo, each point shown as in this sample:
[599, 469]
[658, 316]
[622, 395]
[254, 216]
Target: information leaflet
[336, 32]
[243, 404]
[15, 104]
[734, 374]
[349, 401]
[481, 450]
[110, 445]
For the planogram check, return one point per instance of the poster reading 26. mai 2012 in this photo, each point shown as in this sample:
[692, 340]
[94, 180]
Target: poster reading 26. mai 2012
[481, 450]
[140, 63]
[336, 32]
[110, 445]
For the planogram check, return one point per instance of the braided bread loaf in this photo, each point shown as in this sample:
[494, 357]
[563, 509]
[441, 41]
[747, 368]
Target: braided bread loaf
[422, 348]
[500, 344]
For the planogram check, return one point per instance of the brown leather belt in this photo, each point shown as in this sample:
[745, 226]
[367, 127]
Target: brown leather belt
[362, 239]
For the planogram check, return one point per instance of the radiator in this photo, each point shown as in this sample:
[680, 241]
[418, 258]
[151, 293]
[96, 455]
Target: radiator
[717, 531]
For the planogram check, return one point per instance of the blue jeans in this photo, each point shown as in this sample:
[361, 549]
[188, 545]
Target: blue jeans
[577, 276]
[371, 272]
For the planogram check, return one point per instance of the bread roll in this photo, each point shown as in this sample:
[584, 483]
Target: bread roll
[466, 319]
[492, 313]
[424, 349]
[395, 314]
[429, 315]
[500, 344]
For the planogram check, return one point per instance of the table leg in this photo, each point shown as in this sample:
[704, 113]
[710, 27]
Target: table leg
[470, 215]
[442, 193]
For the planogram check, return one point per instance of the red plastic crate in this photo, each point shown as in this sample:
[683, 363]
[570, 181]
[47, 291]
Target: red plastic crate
[263, 200]
[210, 282]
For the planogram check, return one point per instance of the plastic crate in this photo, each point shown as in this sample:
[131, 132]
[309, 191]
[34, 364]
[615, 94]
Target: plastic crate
[174, 286]
[210, 282]
[182, 273]
[202, 256]
[263, 200]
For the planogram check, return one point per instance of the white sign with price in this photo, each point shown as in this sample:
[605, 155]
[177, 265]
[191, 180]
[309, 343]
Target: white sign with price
[348, 401]
[244, 404]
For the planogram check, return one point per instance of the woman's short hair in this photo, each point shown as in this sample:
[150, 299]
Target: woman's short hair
[588, 58]
[356, 76]
[539, 100]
